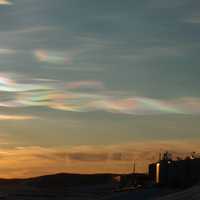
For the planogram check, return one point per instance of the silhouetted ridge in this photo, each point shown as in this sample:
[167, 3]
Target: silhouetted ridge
[65, 180]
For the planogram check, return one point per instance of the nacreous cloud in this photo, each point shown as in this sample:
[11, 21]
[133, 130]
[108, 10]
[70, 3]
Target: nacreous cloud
[52, 57]
[85, 96]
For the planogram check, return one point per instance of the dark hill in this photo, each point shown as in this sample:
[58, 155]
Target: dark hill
[61, 180]
[66, 180]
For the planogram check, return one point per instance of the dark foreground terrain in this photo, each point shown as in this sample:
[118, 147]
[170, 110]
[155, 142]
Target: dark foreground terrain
[85, 187]
[59, 186]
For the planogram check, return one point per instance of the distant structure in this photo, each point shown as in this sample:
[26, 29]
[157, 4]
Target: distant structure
[175, 173]
[134, 178]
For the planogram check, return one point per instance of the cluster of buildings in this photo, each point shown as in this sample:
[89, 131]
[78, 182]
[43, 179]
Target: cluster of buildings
[175, 173]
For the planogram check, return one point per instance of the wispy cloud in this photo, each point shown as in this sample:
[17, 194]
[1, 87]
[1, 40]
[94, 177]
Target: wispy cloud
[154, 52]
[85, 84]
[29, 161]
[52, 57]
[88, 157]
[35, 29]
[7, 51]
[5, 2]
[86, 96]
[16, 117]
[74, 68]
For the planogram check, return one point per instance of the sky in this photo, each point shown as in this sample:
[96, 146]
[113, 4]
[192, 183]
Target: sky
[88, 86]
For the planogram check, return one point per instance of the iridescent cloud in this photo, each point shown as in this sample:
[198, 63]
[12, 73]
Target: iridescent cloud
[85, 96]
[9, 83]
[52, 57]
[85, 84]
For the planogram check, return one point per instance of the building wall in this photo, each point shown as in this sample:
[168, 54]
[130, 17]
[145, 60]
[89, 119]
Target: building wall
[180, 173]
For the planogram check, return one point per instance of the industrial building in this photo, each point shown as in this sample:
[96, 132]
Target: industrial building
[175, 173]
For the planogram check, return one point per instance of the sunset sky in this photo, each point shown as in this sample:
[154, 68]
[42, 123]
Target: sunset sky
[88, 86]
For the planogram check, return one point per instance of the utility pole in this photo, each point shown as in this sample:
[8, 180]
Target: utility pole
[133, 175]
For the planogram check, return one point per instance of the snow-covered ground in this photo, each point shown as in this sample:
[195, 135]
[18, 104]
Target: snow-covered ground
[192, 193]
